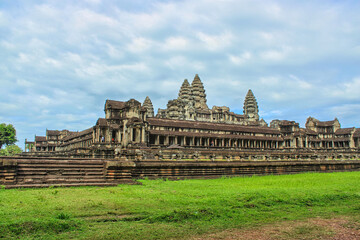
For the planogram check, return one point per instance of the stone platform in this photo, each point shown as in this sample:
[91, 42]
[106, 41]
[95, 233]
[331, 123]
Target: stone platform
[17, 172]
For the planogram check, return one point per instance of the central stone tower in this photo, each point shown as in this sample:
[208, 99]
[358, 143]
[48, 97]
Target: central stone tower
[198, 93]
[185, 93]
[251, 110]
[149, 107]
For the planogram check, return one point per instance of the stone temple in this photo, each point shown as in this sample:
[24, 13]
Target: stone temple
[188, 128]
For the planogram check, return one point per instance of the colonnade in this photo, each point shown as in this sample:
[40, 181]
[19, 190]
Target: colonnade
[188, 141]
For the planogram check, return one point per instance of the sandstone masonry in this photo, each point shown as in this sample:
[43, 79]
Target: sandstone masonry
[189, 129]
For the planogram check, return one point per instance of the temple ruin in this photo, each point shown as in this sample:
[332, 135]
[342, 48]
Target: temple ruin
[189, 129]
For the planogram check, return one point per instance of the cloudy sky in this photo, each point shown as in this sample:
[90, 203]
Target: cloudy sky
[60, 60]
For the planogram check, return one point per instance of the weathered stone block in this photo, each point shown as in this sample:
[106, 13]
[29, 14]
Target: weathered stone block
[8, 162]
[119, 164]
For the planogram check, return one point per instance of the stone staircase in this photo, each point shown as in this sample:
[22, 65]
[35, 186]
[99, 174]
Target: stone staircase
[60, 172]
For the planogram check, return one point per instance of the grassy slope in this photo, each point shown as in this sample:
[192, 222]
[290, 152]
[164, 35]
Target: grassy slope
[171, 209]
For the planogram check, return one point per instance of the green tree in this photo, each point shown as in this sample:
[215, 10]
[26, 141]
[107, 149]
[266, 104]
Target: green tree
[10, 150]
[7, 134]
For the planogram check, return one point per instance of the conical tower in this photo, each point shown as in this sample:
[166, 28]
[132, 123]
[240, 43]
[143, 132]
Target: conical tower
[149, 107]
[251, 110]
[198, 93]
[185, 92]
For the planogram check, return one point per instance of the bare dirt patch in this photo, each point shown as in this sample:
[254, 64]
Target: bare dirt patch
[316, 228]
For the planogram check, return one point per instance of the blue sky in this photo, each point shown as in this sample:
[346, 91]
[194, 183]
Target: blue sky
[60, 60]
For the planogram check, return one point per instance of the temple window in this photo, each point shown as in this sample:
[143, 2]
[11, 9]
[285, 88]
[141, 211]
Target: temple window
[161, 140]
[152, 139]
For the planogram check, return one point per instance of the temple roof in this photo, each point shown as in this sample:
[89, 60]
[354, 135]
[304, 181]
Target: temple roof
[213, 135]
[357, 132]
[147, 101]
[148, 106]
[288, 123]
[52, 132]
[198, 93]
[114, 104]
[250, 104]
[310, 132]
[343, 131]
[78, 134]
[101, 122]
[325, 123]
[210, 126]
[40, 139]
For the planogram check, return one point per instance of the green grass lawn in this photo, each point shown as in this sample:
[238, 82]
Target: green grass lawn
[160, 209]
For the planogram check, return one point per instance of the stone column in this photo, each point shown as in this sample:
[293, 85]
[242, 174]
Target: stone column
[143, 135]
[157, 140]
[108, 135]
[138, 135]
[131, 133]
[125, 136]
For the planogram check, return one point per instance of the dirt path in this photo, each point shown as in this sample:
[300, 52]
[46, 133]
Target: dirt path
[317, 228]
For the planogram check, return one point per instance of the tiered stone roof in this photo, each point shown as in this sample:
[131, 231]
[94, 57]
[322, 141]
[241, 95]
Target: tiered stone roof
[357, 132]
[251, 108]
[326, 123]
[101, 122]
[345, 131]
[211, 126]
[149, 107]
[40, 139]
[185, 93]
[114, 104]
[52, 132]
[198, 92]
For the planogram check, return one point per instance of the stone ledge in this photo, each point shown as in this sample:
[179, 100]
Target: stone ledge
[115, 164]
[8, 162]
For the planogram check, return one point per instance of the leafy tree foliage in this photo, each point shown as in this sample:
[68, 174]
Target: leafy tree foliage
[7, 134]
[10, 150]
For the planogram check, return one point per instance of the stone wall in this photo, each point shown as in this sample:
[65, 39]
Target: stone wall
[205, 169]
[45, 172]
[8, 171]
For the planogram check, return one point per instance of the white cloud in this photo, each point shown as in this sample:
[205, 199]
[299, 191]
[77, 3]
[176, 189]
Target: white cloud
[114, 51]
[93, 1]
[7, 45]
[98, 70]
[294, 56]
[179, 62]
[43, 100]
[8, 107]
[72, 57]
[268, 36]
[176, 43]
[24, 83]
[345, 112]
[23, 58]
[216, 42]
[241, 59]
[274, 9]
[86, 19]
[139, 45]
[349, 89]
[300, 83]
[276, 55]
[269, 81]
[50, 62]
